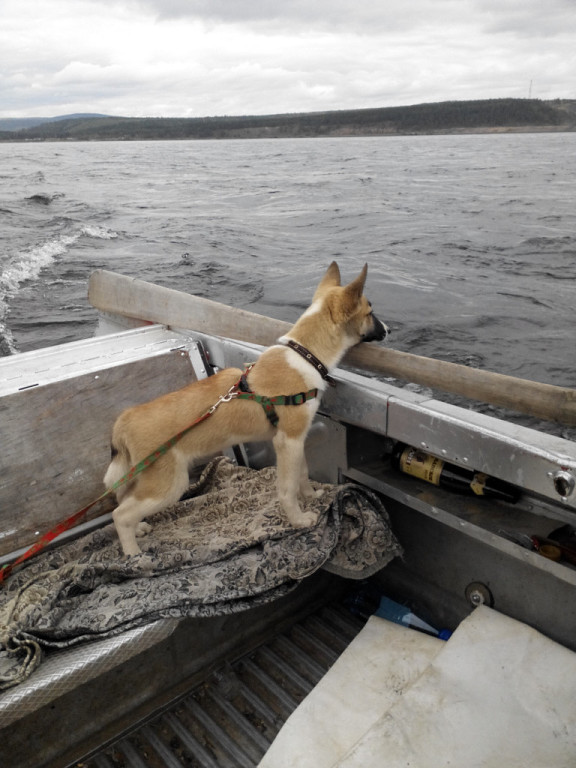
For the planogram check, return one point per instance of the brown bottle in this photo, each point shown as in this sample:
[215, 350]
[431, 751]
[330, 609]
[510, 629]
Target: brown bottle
[418, 463]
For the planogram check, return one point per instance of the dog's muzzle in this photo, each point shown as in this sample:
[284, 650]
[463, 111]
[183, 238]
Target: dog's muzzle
[378, 332]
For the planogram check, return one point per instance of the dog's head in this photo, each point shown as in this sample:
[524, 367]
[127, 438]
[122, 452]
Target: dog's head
[348, 307]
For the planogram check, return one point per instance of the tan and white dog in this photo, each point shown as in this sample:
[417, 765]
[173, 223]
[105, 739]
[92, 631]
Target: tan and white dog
[338, 318]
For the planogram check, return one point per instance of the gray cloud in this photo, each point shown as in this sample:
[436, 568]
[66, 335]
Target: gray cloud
[321, 15]
[527, 18]
[521, 17]
[202, 57]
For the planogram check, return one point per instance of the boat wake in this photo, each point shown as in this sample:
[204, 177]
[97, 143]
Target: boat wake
[27, 265]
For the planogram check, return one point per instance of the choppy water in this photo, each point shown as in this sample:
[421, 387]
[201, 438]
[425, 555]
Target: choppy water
[470, 240]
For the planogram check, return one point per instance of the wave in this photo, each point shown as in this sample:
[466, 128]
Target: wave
[42, 198]
[98, 233]
[27, 266]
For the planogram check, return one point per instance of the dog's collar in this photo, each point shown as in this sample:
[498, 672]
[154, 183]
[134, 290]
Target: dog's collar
[312, 359]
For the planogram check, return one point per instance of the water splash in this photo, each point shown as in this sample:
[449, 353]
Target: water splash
[98, 233]
[27, 265]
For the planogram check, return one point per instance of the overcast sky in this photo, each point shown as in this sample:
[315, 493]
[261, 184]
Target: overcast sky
[192, 58]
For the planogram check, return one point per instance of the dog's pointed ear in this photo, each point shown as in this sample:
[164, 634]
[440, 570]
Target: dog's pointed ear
[346, 303]
[330, 280]
[355, 289]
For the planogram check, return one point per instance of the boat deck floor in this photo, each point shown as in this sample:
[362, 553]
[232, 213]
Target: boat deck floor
[230, 720]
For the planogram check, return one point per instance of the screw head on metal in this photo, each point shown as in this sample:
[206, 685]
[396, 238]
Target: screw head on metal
[478, 593]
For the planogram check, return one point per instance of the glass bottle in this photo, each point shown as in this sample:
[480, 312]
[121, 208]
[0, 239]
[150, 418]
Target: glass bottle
[425, 466]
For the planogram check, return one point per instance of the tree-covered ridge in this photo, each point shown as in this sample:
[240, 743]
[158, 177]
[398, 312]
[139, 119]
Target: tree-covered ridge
[441, 117]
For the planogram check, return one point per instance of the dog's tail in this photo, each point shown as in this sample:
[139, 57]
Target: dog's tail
[119, 465]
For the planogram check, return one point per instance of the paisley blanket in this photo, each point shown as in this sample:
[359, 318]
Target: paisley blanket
[226, 549]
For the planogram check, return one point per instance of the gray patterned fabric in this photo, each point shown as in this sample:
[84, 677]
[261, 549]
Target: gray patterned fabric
[225, 550]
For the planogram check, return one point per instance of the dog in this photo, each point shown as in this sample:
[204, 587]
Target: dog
[338, 318]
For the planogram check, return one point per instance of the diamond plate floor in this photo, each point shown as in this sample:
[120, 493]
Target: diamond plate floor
[230, 720]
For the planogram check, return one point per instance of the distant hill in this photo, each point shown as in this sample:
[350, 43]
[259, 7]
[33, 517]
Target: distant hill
[24, 123]
[489, 115]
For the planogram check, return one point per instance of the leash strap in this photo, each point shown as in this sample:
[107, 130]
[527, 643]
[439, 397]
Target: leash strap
[239, 390]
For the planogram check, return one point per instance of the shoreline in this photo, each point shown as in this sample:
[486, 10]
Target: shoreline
[488, 116]
[338, 134]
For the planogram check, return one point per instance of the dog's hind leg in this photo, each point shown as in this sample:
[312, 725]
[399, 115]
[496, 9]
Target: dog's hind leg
[291, 466]
[128, 517]
[305, 488]
[157, 488]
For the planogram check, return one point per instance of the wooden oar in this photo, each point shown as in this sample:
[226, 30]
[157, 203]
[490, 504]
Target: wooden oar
[130, 297]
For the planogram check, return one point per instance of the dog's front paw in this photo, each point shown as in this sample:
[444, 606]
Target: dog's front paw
[143, 529]
[303, 519]
[310, 493]
[131, 549]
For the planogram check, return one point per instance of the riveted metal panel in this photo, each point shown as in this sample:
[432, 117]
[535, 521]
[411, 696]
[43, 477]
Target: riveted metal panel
[519, 455]
[56, 440]
[65, 361]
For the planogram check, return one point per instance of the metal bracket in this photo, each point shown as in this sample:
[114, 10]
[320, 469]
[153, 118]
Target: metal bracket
[199, 359]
